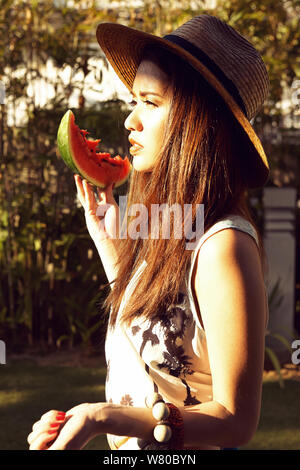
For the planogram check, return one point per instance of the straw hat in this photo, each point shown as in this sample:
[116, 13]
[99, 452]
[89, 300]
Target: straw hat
[227, 60]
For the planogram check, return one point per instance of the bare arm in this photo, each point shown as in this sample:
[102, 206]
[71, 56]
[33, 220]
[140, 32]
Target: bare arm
[108, 253]
[102, 223]
[230, 291]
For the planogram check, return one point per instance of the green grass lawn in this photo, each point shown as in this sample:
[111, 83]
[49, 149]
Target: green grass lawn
[28, 390]
[279, 427]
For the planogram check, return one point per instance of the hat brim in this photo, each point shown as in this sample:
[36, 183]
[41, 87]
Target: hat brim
[123, 47]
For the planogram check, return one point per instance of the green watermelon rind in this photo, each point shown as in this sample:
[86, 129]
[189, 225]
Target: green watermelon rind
[63, 141]
[122, 181]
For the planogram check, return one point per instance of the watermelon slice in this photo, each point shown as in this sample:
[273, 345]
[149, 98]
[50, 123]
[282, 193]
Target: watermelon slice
[80, 155]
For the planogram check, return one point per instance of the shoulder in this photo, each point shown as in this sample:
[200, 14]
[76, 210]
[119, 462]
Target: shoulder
[227, 245]
[229, 263]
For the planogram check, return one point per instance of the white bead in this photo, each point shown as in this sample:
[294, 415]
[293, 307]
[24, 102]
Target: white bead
[160, 411]
[162, 433]
[152, 399]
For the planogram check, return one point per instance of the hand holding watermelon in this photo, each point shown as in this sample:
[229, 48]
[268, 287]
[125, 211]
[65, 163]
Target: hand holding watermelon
[108, 226]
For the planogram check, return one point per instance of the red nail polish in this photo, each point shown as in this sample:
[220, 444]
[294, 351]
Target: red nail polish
[54, 425]
[52, 432]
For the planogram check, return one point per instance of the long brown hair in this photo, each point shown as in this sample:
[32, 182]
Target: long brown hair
[199, 163]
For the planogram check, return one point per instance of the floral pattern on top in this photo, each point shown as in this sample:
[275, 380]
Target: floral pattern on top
[169, 333]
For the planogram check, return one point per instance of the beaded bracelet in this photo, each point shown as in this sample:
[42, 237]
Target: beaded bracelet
[168, 432]
[176, 422]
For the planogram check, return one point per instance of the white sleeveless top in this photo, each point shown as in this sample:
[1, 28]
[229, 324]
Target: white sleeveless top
[168, 356]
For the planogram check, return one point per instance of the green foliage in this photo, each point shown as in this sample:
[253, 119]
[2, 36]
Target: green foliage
[51, 277]
[50, 292]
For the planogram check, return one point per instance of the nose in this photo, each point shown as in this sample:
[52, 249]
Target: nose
[133, 122]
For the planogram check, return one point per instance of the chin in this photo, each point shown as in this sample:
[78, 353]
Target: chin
[141, 167]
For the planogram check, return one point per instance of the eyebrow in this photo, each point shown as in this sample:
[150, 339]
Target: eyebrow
[144, 93]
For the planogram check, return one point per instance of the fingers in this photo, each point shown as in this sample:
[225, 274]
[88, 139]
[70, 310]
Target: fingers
[46, 430]
[85, 193]
[87, 196]
[43, 440]
[80, 190]
[106, 194]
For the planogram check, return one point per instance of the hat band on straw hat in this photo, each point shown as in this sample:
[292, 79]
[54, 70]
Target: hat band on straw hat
[210, 64]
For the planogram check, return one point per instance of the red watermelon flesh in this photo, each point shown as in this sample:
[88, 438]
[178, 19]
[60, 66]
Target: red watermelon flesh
[80, 154]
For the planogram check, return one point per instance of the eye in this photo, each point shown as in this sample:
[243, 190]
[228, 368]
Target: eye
[149, 103]
[132, 103]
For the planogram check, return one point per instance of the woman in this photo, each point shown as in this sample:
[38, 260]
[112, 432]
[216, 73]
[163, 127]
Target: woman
[185, 341]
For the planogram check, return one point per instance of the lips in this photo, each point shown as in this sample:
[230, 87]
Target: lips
[134, 143]
[135, 146]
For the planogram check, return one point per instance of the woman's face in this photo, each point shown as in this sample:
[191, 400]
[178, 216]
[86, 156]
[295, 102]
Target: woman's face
[147, 121]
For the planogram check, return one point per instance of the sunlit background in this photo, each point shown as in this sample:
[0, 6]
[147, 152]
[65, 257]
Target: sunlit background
[52, 283]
